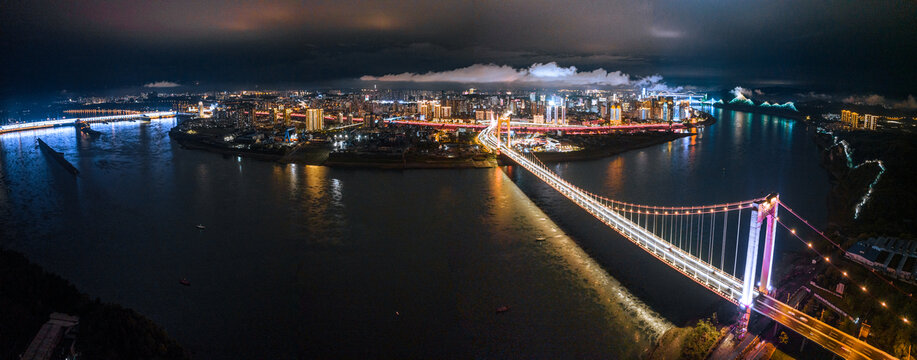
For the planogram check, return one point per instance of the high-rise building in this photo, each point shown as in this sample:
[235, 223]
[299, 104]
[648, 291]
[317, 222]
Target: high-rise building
[315, 119]
[425, 109]
[556, 112]
[869, 121]
[614, 114]
[851, 119]
[274, 116]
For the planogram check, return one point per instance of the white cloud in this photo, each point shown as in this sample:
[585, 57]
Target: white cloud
[875, 99]
[539, 73]
[665, 33]
[741, 93]
[162, 84]
[909, 103]
[811, 95]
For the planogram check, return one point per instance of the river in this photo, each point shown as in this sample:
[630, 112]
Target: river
[306, 261]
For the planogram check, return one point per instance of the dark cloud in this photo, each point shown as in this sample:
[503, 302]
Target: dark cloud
[862, 46]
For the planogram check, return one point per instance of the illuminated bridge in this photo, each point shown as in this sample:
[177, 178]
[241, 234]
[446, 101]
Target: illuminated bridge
[702, 243]
[72, 122]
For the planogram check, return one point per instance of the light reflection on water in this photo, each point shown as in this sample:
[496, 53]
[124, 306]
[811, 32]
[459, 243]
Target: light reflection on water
[308, 256]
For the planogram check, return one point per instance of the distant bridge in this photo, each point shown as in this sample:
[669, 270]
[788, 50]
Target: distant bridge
[72, 122]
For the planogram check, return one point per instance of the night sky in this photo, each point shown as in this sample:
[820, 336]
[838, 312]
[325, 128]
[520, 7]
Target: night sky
[850, 47]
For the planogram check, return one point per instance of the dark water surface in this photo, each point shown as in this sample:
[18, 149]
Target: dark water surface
[306, 261]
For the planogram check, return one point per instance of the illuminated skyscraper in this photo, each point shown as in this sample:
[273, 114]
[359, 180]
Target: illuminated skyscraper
[869, 121]
[614, 114]
[315, 119]
[556, 112]
[851, 119]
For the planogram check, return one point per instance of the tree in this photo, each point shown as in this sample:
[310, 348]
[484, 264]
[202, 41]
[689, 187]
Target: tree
[699, 340]
[846, 325]
[809, 308]
[902, 345]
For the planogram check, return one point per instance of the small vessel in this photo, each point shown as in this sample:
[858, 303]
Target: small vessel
[184, 282]
[199, 226]
[502, 309]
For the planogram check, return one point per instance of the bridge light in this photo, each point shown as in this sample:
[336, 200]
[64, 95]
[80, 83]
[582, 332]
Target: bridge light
[827, 259]
[793, 231]
[905, 320]
[863, 288]
[810, 244]
[845, 274]
[883, 304]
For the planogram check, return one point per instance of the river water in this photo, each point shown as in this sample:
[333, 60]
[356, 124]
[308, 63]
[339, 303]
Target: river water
[306, 261]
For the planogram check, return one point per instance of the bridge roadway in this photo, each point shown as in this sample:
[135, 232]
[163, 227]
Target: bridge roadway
[721, 283]
[824, 335]
[71, 122]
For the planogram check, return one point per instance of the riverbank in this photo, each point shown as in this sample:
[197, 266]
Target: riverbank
[28, 294]
[688, 342]
[409, 161]
[308, 154]
[599, 146]
[781, 112]
[320, 153]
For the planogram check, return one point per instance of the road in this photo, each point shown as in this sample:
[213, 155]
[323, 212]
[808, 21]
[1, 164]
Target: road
[822, 334]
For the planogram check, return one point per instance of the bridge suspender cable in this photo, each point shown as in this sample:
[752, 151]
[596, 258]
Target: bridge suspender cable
[723, 252]
[735, 262]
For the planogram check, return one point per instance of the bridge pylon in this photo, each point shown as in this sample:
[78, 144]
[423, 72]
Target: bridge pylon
[763, 210]
[500, 128]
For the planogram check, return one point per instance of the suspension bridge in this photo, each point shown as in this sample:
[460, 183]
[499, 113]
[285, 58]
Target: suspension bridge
[716, 246]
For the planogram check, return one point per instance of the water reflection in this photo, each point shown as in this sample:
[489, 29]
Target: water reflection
[305, 255]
